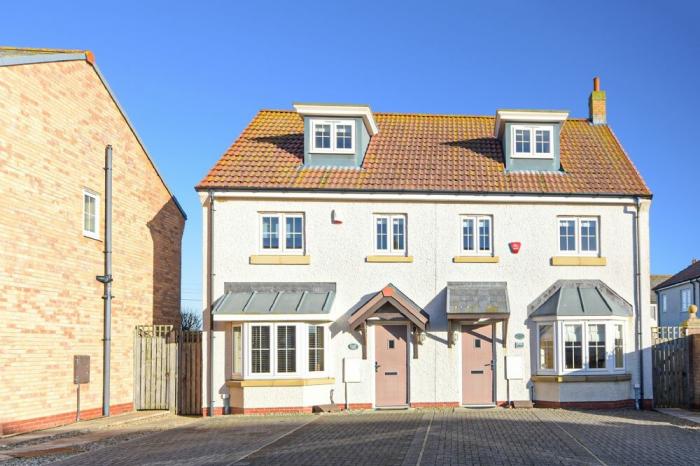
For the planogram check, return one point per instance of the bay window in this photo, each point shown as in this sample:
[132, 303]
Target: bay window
[574, 346]
[278, 350]
[282, 233]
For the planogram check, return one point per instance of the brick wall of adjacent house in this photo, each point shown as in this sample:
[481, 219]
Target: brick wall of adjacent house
[55, 120]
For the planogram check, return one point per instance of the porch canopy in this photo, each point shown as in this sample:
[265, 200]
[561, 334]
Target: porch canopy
[252, 301]
[389, 304]
[579, 298]
[477, 302]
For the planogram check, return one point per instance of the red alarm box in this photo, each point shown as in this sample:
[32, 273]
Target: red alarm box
[514, 247]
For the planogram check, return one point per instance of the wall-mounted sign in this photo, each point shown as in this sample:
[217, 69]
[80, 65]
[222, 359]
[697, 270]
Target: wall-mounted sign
[519, 336]
[353, 346]
[520, 344]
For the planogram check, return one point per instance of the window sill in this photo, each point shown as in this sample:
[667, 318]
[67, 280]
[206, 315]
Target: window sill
[476, 259]
[582, 378]
[579, 260]
[280, 260]
[91, 236]
[390, 259]
[280, 382]
[532, 157]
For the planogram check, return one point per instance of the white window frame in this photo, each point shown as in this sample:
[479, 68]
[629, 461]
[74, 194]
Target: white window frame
[560, 352]
[282, 219]
[553, 370]
[476, 251]
[334, 134]
[532, 154]
[234, 352]
[302, 351]
[390, 251]
[96, 197]
[578, 239]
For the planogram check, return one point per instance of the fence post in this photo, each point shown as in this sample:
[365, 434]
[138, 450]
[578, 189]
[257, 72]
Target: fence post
[692, 328]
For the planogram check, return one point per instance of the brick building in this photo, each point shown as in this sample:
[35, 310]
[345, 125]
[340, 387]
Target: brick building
[57, 114]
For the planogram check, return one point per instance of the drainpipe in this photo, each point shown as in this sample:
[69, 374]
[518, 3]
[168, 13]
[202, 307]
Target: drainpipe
[638, 301]
[107, 280]
[210, 300]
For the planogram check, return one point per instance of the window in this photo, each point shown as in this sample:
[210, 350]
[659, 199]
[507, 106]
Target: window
[316, 348]
[546, 346]
[333, 136]
[396, 244]
[685, 300]
[619, 352]
[523, 137]
[477, 235]
[664, 302]
[290, 227]
[596, 346]
[260, 349]
[91, 214]
[237, 356]
[579, 235]
[573, 347]
[286, 348]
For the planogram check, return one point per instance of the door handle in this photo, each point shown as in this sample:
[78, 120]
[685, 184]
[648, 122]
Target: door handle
[376, 366]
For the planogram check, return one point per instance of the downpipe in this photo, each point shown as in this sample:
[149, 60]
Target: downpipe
[106, 279]
[639, 389]
[210, 300]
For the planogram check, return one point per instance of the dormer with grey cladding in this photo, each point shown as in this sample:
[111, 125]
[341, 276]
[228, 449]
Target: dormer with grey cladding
[336, 135]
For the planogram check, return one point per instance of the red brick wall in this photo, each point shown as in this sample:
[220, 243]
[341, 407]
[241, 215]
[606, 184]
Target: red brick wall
[55, 120]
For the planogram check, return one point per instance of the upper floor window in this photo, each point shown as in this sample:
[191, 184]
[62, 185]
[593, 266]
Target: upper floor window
[91, 214]
[532, 141]
[477, 234]
[686, 300]
[390, 233]
[333, 136]
[282, 233]
[579, 235]
[664, 302]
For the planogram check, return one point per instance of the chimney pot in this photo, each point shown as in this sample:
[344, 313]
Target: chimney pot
[596, 83]
[693, 261]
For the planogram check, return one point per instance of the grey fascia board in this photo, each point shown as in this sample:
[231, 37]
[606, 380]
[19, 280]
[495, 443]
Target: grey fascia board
[30, 59]
[673, 285]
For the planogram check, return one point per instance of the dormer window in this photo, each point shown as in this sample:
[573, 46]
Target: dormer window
[333, 136]
[523, 137]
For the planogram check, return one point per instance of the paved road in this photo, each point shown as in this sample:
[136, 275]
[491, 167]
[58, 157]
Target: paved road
[441, 437]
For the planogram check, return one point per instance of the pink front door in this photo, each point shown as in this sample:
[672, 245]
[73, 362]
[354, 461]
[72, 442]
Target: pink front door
[391, 365]
[477, 364]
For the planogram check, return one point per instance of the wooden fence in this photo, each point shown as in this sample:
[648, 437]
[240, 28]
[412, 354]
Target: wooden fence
[167, 369]
[671, 367]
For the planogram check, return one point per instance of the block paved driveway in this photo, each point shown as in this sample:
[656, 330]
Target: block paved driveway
[489, 436]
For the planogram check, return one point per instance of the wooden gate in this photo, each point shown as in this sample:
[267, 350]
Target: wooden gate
[167, 369]
[671, 366]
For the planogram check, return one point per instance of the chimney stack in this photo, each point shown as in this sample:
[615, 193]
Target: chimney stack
[596, 104]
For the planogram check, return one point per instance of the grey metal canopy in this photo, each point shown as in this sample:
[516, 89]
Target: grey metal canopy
[477, 300]
[581, 298]
[260, 298]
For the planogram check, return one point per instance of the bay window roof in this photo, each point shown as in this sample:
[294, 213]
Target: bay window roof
[579, 298]
[261, 298]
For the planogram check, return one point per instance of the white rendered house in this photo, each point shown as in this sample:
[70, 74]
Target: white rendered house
[374, 260]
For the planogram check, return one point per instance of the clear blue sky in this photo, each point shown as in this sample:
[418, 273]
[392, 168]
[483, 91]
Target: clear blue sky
[191, 76]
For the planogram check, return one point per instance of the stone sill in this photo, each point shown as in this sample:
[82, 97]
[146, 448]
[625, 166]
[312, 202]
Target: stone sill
[476, 259]
[582, 378]
[389, 259]
[579, 260]
[279, 382]
[280, 260]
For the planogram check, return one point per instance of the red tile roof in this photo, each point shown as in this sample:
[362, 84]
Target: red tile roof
[424, 153]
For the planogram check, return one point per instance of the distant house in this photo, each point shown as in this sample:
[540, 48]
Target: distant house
[656, 280]
[57, 114]
[677, 293]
